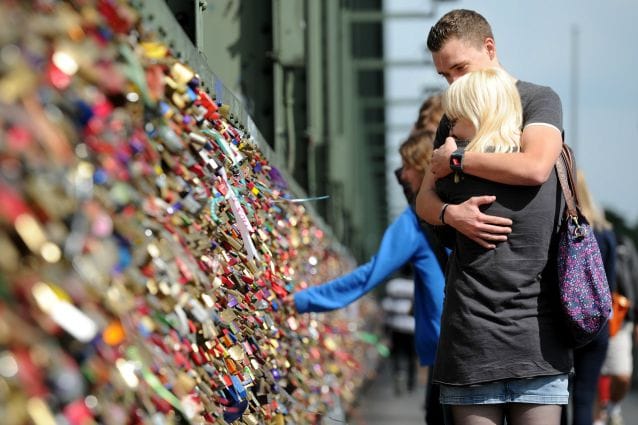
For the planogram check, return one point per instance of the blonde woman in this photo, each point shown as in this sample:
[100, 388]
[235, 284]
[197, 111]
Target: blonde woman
[502, 348]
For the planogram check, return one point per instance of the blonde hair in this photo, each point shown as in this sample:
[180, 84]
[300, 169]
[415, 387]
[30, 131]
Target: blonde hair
[489, 99]
[416, 150]
[588, 207]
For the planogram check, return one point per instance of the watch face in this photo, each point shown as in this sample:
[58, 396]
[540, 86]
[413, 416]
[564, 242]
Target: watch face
[456, 160]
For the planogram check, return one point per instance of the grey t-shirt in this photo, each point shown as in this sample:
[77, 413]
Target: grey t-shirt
[501, 317]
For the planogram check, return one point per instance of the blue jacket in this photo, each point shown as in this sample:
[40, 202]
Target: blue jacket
[402, 242]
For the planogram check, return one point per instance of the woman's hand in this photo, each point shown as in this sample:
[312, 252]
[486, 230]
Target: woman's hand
[289, 302]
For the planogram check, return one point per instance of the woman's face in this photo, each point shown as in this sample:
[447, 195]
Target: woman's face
[463, 129]
[412, 177]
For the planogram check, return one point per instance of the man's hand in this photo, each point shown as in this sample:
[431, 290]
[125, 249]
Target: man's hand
[440, 165]
[483, 229]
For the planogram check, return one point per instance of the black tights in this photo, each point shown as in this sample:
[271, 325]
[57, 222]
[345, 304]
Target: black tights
[588, 361]
[516, 413]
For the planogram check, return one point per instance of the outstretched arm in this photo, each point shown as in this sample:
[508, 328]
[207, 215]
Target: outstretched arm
[397, 248]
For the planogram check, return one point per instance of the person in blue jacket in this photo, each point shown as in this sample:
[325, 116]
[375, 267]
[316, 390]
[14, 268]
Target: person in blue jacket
[403, 242]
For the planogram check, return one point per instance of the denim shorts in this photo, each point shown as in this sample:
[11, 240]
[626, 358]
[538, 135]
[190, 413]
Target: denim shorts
[539, 390]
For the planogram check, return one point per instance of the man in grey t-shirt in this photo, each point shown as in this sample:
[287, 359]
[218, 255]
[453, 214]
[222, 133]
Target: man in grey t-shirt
[462, 42]
[456, 53]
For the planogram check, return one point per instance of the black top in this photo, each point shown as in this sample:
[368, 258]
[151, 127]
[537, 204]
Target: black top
[501, 317]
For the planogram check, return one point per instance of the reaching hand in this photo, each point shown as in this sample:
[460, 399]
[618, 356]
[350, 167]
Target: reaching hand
[289, 302]
[440, 164]
[482, 228]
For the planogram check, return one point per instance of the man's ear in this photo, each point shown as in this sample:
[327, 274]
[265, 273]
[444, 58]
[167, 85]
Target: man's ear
[490, 46]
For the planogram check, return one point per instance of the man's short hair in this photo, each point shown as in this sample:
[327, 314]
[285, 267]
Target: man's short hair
[466, 25]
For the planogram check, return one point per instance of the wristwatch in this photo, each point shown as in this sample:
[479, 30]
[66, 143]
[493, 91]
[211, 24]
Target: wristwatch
[456, 160]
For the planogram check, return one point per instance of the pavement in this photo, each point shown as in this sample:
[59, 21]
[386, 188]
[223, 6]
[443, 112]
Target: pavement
[379, 405]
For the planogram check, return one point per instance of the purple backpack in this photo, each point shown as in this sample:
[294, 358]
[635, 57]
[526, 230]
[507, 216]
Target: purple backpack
[584, 291]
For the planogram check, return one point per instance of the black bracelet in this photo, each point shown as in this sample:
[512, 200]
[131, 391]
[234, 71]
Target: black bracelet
[442, 213]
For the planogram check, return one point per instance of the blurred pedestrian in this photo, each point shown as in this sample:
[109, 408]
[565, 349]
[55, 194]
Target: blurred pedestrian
[588, 359]
[430, 114]
[398, 307]
[617, 369]
[429, 117]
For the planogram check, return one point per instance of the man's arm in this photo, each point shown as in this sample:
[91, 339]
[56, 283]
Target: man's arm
[466, 218]
[541, 143]
[540, 148]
